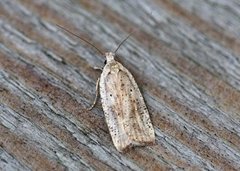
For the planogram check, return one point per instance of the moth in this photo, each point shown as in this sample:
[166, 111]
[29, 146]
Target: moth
[124, 108]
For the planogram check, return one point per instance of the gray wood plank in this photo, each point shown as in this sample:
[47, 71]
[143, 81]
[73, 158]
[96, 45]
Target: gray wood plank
[184, 57]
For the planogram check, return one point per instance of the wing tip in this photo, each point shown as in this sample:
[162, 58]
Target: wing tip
[125, 147]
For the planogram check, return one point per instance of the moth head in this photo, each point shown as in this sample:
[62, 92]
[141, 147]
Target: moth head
[110, 56]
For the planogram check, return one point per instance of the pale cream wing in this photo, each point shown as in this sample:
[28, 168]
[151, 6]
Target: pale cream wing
[125, 111]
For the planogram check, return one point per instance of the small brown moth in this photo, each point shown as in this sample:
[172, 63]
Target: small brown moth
[125, 111]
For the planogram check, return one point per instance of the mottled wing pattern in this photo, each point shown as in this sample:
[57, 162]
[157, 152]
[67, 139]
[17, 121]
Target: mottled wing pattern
[125, 111]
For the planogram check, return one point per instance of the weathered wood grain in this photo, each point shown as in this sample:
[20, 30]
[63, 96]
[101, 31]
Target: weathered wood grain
[184, 55]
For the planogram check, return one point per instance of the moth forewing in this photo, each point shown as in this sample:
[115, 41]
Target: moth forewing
[125, 111]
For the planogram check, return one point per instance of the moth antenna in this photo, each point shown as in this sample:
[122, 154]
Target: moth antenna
[86, 41]
[120, 44]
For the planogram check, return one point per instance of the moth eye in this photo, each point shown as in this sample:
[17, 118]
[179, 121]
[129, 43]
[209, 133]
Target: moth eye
[131, 90]
[111, 95]
[105, 62]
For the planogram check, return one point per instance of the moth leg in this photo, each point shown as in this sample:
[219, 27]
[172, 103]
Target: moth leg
[98, 68]
[96, 96]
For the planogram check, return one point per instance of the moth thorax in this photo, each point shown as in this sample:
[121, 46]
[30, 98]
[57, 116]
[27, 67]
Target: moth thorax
[110, 56]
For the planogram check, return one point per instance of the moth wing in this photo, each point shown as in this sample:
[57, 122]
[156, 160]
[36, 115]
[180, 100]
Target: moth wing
[125, 111]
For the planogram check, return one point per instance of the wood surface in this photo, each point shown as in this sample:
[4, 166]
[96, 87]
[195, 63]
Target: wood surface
[184, 55]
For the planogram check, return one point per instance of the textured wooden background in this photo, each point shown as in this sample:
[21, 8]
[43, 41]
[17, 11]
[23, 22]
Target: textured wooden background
[185, 56]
